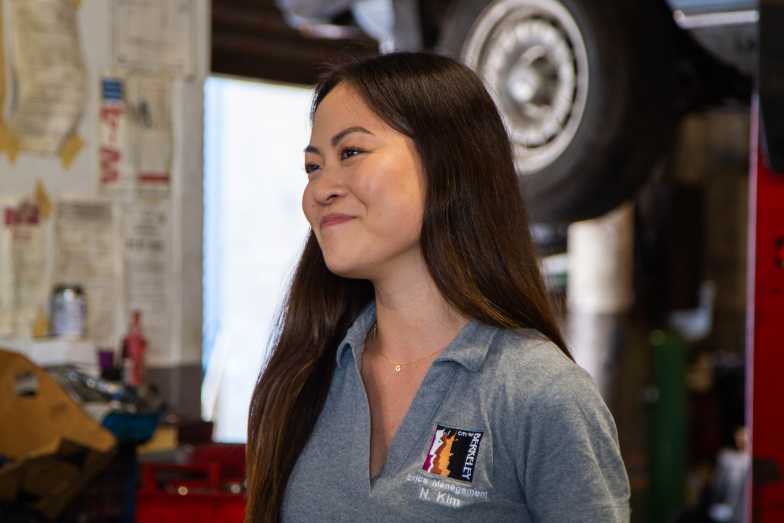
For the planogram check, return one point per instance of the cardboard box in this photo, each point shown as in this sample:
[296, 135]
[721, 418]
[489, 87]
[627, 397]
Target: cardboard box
[55, 447]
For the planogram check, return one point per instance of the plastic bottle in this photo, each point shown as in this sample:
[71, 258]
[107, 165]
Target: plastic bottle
[134, 347]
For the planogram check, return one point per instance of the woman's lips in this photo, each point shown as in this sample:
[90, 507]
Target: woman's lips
[334, 219]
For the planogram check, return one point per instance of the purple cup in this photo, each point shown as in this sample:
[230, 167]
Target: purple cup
[105, 358]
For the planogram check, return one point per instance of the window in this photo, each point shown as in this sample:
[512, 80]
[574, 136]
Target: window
[254, 230]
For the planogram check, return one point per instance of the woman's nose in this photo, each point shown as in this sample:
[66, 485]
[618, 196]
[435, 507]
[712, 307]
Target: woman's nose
[329, 187]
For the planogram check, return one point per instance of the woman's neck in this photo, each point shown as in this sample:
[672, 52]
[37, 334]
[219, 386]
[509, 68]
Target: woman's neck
[413, 318]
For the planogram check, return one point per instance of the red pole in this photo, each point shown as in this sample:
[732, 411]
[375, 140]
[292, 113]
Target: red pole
[765, 336]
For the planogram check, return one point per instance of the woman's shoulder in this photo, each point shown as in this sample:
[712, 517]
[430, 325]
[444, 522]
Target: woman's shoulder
[531, 352]
[564, 437]
[549, 393]
[536, 370]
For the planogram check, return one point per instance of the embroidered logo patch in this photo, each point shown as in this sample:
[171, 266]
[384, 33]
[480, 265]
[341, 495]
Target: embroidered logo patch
[453, 453]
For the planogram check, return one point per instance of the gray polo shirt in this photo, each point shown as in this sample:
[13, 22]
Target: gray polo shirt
[503, 428]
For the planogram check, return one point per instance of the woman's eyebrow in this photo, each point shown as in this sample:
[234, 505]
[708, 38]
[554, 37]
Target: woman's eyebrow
[355, 129]
[339, 136]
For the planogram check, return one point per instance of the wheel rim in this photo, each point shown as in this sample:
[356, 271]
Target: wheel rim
[531, 56]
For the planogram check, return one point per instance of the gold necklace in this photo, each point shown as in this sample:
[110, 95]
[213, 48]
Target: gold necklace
[397, 365]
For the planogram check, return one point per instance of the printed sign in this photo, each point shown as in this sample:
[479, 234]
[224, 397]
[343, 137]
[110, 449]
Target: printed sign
[113, 123]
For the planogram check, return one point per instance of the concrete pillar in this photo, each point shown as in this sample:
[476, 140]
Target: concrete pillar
[600, 293]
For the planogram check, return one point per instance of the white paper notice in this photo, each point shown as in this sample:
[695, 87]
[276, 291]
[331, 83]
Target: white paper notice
[87, 254]
[49, 75]
[29, 260]
[22, 267]
[149, 271]
[7, 301]
[135, 129]
[154, 35]
[149, 98]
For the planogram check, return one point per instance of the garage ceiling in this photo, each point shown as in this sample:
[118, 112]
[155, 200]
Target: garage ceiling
[250, 38]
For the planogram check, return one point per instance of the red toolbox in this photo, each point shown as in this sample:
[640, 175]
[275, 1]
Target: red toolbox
[209, 488]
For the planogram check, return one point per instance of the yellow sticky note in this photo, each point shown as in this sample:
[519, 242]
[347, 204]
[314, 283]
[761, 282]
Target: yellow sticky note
[42, 199]
[8, 143]
[70, 149]
[41, 325]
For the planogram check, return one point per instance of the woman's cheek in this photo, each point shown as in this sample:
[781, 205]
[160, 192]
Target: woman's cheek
[309, 206]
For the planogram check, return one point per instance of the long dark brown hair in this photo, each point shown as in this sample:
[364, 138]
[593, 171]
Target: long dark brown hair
[475, 241]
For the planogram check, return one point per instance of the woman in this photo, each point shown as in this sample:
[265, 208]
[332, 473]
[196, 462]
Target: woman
[418, 372]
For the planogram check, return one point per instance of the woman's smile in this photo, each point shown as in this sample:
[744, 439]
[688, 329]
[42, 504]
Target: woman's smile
[334, 219]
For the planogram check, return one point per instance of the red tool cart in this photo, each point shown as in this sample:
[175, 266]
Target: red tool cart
[209, 488]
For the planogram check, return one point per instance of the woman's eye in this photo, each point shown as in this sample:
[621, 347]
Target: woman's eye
[310, 167]
[348, 152]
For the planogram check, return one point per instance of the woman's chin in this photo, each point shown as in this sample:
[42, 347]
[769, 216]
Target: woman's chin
[347, 268]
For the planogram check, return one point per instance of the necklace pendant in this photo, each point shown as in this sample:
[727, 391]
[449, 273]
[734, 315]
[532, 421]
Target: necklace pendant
[397, 368]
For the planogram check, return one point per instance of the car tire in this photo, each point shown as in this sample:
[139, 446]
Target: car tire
[580, 158]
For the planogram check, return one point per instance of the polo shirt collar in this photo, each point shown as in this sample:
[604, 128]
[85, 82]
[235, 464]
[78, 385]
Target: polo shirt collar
[469, 348]
[355, 337]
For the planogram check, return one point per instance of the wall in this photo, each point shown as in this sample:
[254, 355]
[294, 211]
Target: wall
[178, 370]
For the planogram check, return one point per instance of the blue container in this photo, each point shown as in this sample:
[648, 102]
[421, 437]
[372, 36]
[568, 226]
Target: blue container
[135, 428]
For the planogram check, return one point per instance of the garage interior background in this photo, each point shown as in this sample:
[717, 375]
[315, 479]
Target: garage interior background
[671, 344]
[176, 364]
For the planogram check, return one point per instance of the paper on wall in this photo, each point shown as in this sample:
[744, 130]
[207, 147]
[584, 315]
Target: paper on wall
[29, 265]
[148, 271]
[136, 134]
[150, 100]
[50, 77]
[154, 35]
[22, 267]
[7, 301]
[86, 253]
[115, 167]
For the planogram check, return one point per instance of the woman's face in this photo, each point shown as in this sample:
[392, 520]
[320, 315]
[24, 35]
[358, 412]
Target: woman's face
[365, 193]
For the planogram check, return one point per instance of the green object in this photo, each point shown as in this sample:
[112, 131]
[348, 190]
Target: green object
[668, 427]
